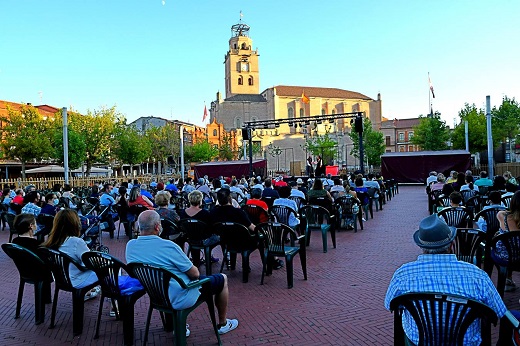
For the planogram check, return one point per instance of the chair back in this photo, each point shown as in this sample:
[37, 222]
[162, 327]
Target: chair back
[282, 213]
[274, 235]
[315, 216]
[136, 210]
[467, 194]
[300, 202]
[466, 245]
[59, 264]
[322, 202]
[156, 282]
[29, 265]
[458, 217]
[269, 201]
[511, 242]
[171, 230]
[17, 208]
[46, 221]
[196, 231]
[235, 237]
[256, 214]
[441, 319]
[506, 201]
[10, 221]
[345, 205]
[107, 269]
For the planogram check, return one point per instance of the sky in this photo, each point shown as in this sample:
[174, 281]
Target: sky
[165, 58]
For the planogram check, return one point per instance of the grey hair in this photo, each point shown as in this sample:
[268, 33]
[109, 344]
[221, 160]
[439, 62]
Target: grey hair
[147, 221]
[440, 250]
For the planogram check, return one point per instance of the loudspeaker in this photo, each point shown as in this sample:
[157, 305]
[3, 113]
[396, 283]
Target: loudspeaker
[245, 134]
[358, 124]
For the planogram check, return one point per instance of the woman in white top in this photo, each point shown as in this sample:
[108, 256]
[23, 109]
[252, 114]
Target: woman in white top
[64, 237]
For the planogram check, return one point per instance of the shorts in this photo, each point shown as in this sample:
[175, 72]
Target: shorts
[214, 286]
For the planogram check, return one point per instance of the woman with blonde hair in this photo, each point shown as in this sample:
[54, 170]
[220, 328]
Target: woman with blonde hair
[65, 237]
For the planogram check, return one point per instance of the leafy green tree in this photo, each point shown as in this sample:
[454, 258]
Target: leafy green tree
[165, 141]
[26, 136]
[507, 120]
[77, 148]
[257, 149]
[201, 151]
[477, 130]
[323, 145]
[97, 128]
[432, 133]
[373, 143]
[225, 150]
[130, 146]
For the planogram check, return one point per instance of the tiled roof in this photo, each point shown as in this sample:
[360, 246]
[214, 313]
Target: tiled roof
[296, 91]
[246, 98]
[44, 110]
[400, 123]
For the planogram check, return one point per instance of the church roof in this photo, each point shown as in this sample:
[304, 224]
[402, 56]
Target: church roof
[246, 98]
[296, 91]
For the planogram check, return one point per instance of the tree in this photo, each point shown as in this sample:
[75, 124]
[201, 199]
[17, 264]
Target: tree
[507, 120]
[477, 130]
[165, 141]
[130, 146]
[225, 150]
[373, 143]
[76, 147]
[431, 133]
[323, 145]
[26, 136]
[97, 128]
[201, 151]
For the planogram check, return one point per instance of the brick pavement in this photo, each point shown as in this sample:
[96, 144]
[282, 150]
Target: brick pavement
[340, 304]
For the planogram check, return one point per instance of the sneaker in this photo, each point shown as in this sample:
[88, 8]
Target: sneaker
[229, 326]
[364, 220]
[91, 295]
[510, 286]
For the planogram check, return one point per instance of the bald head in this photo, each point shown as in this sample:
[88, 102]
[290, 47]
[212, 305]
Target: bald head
[149, 222]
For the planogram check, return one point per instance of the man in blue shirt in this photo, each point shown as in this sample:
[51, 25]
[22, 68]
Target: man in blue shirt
[149, 248]
[106, 198]
[172, 188]
[437, 270]
[145, 192]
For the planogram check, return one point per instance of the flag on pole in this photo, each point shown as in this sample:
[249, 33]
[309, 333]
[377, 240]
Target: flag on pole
[305, 99]
[431, 86]
[205, 113]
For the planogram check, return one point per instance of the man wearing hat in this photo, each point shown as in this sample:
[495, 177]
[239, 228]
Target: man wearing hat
[438, 270]
[301, 186]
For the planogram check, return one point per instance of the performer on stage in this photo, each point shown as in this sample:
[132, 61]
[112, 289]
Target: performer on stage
[319, 166]
[309, 168]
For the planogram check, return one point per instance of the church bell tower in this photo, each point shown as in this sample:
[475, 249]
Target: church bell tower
[241, 61]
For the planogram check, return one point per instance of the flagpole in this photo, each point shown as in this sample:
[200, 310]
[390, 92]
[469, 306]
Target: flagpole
[430, 110]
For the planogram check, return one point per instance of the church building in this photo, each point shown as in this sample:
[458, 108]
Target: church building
[284, 147]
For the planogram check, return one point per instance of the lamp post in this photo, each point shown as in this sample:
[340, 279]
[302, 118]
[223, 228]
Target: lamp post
[65, 144]
[181, 149]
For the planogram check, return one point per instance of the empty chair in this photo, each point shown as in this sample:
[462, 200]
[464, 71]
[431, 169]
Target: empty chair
[237, 239]
[274, 235]
[156, 282]
[33, 271]
[123, 289]
[59, 264]
[441, 319]
[319, 219]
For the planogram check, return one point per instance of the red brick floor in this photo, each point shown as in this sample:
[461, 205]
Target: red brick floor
[340, 304]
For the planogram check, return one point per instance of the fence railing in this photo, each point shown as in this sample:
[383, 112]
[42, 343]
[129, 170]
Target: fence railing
[48, 183]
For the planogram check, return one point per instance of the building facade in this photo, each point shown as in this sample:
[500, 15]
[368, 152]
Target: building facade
[398, 134]
[284, 147]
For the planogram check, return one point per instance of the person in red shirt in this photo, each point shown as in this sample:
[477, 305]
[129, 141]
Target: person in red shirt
[256, 194]
[18, 199]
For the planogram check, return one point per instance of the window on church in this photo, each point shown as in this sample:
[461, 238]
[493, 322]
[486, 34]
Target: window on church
[387, 139]
[240, 80]
[238, 123]
[323, 111]
[302, 112]
[215, 132]
[244, 46]
[290, 113]
[250, 80]
[235, 46]
[333, 111]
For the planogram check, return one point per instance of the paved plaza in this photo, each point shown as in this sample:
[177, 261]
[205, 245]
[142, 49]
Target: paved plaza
[340, 304]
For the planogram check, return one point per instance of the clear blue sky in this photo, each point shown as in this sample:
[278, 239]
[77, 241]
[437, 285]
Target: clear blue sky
[166, 60]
